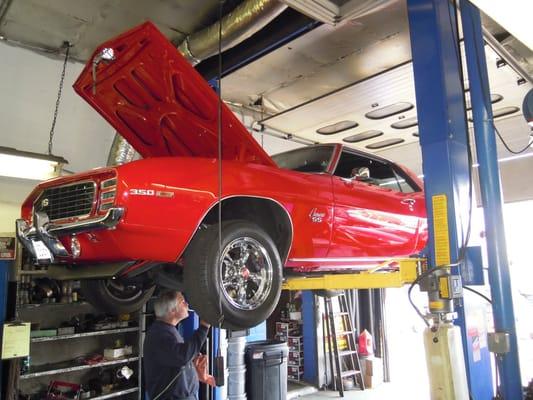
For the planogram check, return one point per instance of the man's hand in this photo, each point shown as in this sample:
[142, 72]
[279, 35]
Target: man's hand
[203, 323]
[200, 364]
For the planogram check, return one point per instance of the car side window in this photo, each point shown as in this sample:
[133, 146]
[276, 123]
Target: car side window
[313, 159]
[373, 172]
[405, 186]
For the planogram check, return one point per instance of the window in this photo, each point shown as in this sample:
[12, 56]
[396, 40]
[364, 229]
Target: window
[384, 143]
[387, 111]
[337, 127]
[362, 136]
[501, 112]
[382, 174]
[405, 123]
[306, 159]
[494, 98]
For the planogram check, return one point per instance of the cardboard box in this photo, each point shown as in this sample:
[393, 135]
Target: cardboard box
[113, 354]
[372, 368]
[66, 330]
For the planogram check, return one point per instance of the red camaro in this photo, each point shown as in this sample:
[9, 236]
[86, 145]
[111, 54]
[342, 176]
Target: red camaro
[125, 229]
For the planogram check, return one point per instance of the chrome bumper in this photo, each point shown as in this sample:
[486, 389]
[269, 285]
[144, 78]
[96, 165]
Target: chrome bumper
[47, 232]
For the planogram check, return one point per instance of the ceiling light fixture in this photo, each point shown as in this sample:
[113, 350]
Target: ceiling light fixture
[28, 165]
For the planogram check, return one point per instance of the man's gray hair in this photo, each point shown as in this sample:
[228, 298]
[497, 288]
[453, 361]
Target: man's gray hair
[165, 303]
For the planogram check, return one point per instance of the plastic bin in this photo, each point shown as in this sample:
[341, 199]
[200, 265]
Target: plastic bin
[266, 366]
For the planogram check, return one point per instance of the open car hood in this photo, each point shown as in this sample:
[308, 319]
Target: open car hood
[158, 102]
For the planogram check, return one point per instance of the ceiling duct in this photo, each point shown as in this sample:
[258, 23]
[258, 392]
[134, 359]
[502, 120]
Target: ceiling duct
[333, 12]
[121, 151]
[237, 26]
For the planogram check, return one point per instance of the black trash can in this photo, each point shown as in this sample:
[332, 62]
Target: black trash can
[266, 370]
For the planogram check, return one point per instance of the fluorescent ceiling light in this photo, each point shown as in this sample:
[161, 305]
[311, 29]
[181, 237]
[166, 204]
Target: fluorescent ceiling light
[26, 165]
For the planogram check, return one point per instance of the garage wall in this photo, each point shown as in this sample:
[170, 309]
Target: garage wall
[28, 88]
[8, 214]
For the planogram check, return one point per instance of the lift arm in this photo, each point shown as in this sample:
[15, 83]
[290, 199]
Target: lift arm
[377, 278]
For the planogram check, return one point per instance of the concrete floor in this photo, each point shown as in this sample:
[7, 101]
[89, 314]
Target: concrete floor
[395, 391]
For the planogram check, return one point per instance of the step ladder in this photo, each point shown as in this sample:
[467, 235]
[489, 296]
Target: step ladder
[343, 363]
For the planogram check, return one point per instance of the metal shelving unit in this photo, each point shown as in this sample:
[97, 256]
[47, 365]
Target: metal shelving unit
[69, 366]
[30, 306]
[115, 394]
[55, 371]
[59, 367]
[84, 334]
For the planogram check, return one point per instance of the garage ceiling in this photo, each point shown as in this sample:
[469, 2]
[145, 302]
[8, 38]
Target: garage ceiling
[85, 24]
[333, 73]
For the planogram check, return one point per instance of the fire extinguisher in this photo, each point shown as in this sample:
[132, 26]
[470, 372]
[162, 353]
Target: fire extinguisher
[366, 345]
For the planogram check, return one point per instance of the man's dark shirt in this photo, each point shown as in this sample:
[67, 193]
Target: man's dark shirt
[165, 352]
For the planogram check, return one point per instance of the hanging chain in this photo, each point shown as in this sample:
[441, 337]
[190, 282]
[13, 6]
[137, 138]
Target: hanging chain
[58, 100]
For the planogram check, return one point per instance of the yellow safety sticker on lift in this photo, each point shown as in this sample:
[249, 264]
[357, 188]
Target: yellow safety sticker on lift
[440, 229]
[436, 305]
[444, 287]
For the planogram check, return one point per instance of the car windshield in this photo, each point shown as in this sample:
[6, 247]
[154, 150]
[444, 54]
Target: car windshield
[305, 159]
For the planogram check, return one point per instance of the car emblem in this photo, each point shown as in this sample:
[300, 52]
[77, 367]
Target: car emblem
[316, 216]
[44, 203]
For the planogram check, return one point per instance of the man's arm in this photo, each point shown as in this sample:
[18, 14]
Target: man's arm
[173, 354]
[200, 363]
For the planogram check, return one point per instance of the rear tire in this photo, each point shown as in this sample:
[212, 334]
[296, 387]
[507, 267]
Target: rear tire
[239, 287]
[110, 295]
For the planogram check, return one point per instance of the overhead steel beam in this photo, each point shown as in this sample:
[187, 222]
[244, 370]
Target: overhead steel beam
[283, 29]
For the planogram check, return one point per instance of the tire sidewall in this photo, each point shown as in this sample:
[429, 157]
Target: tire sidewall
[233, 317]
[96, 293]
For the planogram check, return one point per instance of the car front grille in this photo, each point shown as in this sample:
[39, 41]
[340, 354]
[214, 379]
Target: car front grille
[67, 201]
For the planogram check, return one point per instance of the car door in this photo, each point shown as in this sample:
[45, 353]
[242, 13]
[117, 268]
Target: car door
[375, 216]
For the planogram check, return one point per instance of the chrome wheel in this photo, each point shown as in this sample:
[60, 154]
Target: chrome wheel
[245, 273]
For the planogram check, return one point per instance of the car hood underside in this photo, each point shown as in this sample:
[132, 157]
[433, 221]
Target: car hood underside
[159, 103]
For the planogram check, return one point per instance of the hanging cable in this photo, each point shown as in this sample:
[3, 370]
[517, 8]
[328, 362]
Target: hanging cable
[66, 45]
[418, 279]
[478, 293]
[507, 147]
[219, 359]
[219, 129]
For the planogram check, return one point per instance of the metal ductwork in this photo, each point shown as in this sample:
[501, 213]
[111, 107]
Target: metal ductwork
[237, 26]
[121, 151]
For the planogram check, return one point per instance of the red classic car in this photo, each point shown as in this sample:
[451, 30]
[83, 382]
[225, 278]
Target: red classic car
[125, 229]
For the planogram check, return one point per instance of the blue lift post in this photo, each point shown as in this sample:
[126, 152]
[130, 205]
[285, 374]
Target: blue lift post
[499, 277]
[309, 336]
[443, 131]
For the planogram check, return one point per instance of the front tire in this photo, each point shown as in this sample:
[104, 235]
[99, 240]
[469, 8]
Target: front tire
[238, 287]
[110, 295]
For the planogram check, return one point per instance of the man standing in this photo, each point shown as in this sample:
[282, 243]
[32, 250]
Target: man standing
[166, 354]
